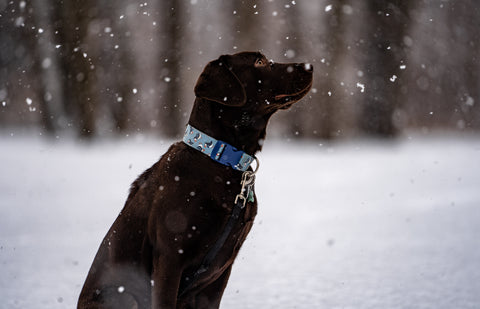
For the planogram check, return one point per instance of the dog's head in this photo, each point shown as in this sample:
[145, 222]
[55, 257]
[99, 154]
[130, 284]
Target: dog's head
[237, 94]
[251, 81]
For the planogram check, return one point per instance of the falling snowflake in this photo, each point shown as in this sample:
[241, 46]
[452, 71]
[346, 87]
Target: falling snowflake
[289, 53]
[469, 101]
[361, 86]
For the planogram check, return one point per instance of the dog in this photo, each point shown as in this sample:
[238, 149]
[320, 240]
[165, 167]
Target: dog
[177, 211]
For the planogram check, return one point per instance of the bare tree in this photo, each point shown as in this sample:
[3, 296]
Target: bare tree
[173, 19]
[294, 49]
[389, 23]
[463, 19]
[330, 93]
[443, 80]
[72, 22]
[46, 66]
[16, 63]
[26, 52]
[117, 61]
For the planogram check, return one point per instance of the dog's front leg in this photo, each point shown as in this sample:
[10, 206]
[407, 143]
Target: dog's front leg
[210, 296]
[166, 281]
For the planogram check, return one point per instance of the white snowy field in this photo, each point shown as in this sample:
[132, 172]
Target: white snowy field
[348, 225]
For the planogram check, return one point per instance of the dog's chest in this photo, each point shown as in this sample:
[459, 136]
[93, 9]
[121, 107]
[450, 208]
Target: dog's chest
[231, 248]
[244, 226]
[235, 240]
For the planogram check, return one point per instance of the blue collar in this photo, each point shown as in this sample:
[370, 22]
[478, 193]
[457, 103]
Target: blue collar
[219, 151]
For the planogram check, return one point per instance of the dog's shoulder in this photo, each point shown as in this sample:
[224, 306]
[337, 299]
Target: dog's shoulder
[157, 170]
[137, 184]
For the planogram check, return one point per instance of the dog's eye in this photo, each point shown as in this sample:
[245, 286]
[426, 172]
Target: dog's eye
[260, 63]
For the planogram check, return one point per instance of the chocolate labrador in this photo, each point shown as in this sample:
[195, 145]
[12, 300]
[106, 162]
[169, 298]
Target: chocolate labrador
[174, 242]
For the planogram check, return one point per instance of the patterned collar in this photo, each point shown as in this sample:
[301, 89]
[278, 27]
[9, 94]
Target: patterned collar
[219, 151]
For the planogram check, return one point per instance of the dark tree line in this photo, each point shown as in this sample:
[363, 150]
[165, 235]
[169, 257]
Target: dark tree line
[103, 67]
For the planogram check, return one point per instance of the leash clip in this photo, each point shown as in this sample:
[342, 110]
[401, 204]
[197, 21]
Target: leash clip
[248, 180]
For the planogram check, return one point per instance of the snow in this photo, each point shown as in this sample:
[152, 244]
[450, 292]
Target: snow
[361, 86]
[355, 224]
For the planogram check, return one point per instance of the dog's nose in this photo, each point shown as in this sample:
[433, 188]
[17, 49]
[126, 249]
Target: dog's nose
[308, 67]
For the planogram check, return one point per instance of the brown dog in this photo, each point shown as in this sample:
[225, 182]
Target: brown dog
[179, 208]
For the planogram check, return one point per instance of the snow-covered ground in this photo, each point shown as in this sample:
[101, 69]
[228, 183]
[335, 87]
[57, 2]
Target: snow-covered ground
[346, 225]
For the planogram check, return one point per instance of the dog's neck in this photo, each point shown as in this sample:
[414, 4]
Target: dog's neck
[213, 119]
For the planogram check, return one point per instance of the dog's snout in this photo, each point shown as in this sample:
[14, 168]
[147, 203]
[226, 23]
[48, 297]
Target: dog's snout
[308, 67]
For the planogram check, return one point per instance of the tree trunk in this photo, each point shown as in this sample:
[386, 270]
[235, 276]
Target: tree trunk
[46, 66]
[122, 67]
[385, 54]
[170, 66]
[26, 36]
[464, 20]
[294, 52]
[77, 65]
[330, 92]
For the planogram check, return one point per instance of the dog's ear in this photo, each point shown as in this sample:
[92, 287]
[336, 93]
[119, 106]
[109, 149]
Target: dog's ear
[218, 83]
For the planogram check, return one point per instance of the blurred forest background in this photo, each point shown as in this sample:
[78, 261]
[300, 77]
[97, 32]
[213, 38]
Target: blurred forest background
[107, 68]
